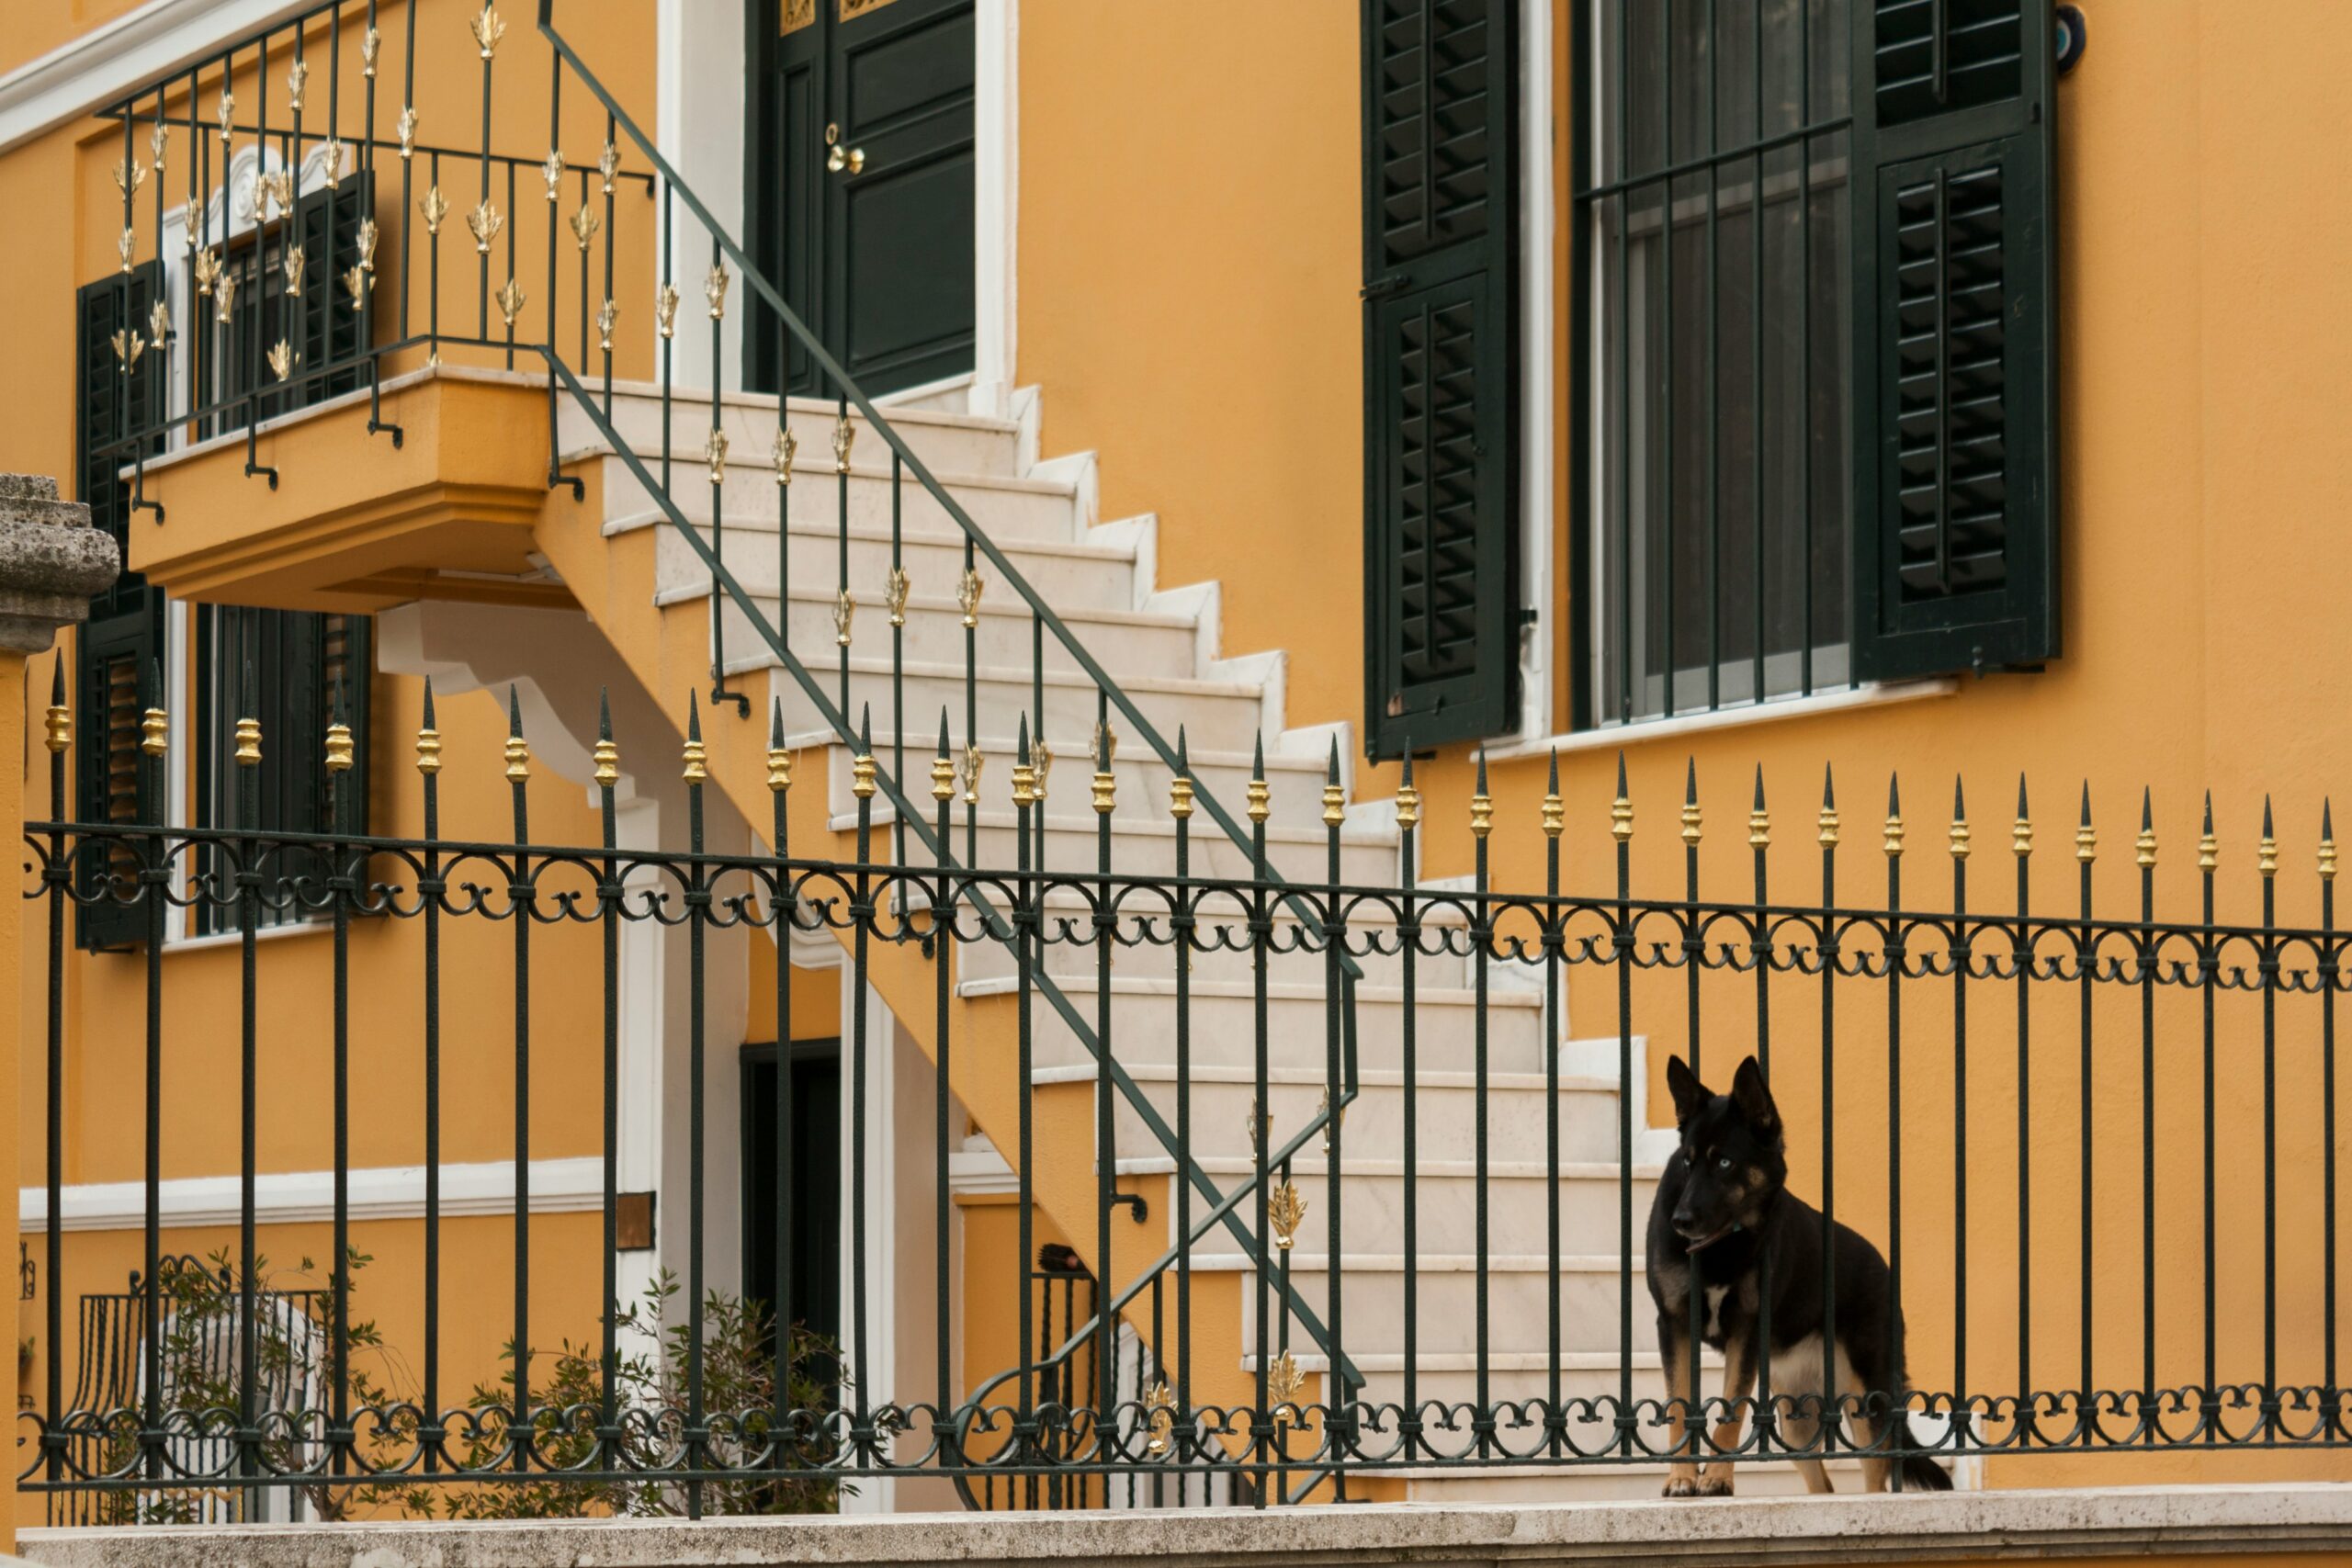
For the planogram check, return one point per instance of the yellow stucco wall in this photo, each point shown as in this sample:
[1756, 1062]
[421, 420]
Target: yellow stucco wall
[1189, 260]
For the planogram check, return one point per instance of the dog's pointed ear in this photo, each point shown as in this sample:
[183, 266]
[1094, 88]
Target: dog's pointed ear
[1689, 1092]
[1754, 1100]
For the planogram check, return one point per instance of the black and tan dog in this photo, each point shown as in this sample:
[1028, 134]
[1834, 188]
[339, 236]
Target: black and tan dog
[1722, 1224]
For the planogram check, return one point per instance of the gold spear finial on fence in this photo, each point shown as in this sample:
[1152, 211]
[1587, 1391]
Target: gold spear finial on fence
[1893, 845]
[154, 732]
[2327, 842]
[2266, 854]
[248, 753]
[1691, 827]
[1620, 809]
[608, 756]
[518, 751]
[1409, 799]
[2086, 836]
[2144, 848]
[428, 739]
[1759, 822]
[340, 749]
[1482, 804]
[1556, 810]
[1260, 798]
[2021, 832]
[1180, 787]
[1825, 824]
[1959, 834]
[1335, 798]
[1025, 773]
[696, 757]
[861, 766]
[942, 766]
[57, 723]
[2208, 848]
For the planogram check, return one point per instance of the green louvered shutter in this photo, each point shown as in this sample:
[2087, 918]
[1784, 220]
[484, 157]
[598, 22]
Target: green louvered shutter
[333, 333]
[1441, 396]
[115, 649]
[1955, 455]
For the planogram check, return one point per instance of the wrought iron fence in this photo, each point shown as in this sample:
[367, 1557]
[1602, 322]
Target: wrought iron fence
[1491, 1278]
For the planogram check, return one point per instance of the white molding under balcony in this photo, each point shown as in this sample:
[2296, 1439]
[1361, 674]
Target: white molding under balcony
[100, 65]
[303, 1197]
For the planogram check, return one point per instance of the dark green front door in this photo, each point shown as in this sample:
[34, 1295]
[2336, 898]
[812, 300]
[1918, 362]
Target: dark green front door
[860, 199]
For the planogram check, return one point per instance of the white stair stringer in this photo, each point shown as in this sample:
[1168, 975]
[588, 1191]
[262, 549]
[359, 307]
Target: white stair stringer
[1162, 645]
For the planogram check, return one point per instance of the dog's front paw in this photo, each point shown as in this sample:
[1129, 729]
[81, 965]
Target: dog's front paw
[1682, 1485]
[1716, 1483]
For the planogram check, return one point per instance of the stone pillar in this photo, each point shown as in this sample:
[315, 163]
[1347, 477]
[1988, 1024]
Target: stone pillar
[52, 560]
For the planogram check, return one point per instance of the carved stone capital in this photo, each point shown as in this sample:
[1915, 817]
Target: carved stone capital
[52, 560]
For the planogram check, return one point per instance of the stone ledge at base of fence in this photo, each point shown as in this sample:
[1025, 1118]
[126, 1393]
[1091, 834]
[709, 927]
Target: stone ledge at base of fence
[2123, 1523]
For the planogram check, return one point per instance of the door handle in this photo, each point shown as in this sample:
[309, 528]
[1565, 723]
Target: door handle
[851, 159]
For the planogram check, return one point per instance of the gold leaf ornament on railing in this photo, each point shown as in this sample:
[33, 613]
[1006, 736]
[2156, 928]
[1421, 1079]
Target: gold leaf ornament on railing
[128, 347]
[126, 247]
[224, 297]
[295, 262]
[159, 323]
[584, 224]
[786, 447]
[714, 453]
[366, 242]
[281, 359]
[159, 142]
[487, 29]
[297, 76]
[227, 114]
[510, 301]
[129, 174]
[608, 314]
[899, 586]
[355, 283]
[435, 206]
[408, 133]
[207, 270]
[608, 164]
[665, 309]
[371, 43]
[714, 289]
[552, 173]
[485, 222]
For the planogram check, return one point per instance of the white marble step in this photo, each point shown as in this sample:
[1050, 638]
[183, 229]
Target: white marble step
[1444, 1111]
[1008, 511]
[1126, 642]
[947, 443]
[1084, 574]
[1445, 1286]
[1446, 1192]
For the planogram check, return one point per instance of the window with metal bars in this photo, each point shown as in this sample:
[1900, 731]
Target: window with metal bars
[1814, 348]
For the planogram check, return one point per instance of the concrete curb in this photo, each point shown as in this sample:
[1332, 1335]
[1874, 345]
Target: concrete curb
[2150, 1522]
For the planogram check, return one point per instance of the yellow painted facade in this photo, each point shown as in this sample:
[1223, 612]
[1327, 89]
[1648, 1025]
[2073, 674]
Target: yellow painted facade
[1188, 261]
